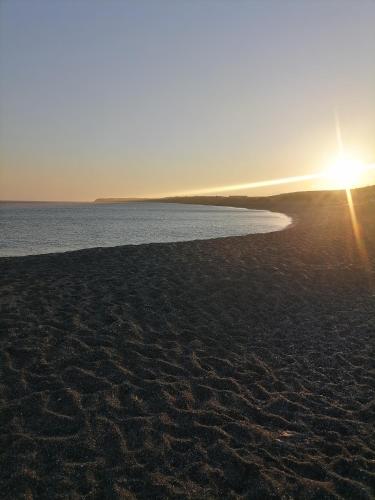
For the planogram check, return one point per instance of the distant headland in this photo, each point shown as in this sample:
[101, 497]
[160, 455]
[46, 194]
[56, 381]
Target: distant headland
[118, 200]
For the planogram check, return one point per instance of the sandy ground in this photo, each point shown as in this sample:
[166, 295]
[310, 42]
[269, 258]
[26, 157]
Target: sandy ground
[234, 368]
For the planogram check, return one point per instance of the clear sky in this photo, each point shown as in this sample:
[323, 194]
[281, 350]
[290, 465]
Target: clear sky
[132, 98]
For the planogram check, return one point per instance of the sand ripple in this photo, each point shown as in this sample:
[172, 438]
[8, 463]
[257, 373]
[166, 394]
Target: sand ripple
[235, 368]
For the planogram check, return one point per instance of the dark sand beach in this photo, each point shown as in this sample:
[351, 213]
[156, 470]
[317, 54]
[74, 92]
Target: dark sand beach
[233, 368]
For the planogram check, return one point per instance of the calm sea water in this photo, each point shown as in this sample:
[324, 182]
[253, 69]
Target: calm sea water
[36, 228]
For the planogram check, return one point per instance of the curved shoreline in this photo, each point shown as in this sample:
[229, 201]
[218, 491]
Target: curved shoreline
[237, 367]
[169, 242]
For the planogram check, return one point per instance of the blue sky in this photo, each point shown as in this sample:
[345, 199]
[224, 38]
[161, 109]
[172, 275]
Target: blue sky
[133, 98]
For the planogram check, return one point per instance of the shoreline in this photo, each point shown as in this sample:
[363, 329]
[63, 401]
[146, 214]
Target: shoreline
[236, 367]
[165, 242]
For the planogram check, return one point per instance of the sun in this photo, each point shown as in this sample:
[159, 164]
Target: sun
[346, 172]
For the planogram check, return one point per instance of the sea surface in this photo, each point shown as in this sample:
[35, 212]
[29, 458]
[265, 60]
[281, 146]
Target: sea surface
[36, 228]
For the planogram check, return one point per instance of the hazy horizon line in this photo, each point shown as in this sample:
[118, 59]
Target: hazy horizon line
[145, 198]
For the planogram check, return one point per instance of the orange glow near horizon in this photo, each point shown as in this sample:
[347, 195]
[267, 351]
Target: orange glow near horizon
[345, 173]
[250, 185]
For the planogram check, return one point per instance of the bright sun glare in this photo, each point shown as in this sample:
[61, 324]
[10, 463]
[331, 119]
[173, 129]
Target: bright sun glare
[345, 172]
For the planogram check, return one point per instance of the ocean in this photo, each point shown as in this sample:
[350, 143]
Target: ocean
[38, 228]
